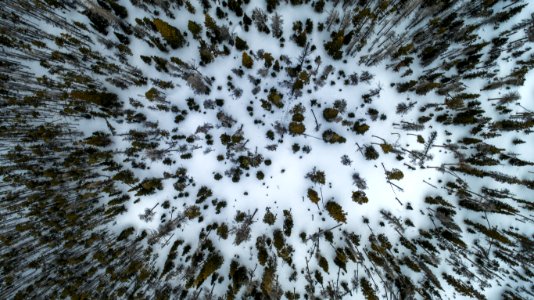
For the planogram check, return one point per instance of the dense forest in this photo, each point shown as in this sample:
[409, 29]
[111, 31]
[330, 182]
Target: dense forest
[238, 149]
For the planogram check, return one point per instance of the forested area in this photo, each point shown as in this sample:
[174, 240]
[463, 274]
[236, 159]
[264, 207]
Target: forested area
[237, 149]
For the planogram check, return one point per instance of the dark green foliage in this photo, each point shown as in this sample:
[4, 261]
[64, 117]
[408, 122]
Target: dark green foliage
[194, 28]
[169, 263]
[240, 44]
[319, 6]
[222, 231]
[98, 22]
[288, 223]
[367, 290]
[333, 47]
[275, 98]
[212, 264]
[454, 238]
[148, 186]
[269, 217]
[125, 233]
[203, 193]
[323, 263]
[370, 153]
[98, 139]
[125, 176]
[462, 288]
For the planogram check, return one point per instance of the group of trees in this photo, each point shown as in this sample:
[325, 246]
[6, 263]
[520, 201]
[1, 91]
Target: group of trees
[64, 186]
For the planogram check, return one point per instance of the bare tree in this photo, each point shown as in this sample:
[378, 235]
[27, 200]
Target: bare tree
[148, 215]
[242, 232]
[260, 20]
[276, 25]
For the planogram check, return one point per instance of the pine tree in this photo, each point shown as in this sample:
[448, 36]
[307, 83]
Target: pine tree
[171, 34]
[246, 60]
[336, 212]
